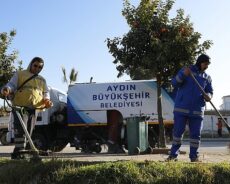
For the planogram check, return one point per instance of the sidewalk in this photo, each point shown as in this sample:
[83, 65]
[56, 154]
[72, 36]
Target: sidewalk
[210, 152]
[217, 139]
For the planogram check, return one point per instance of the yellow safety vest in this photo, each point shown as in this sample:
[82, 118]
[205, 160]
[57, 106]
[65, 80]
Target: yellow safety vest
[31, 94]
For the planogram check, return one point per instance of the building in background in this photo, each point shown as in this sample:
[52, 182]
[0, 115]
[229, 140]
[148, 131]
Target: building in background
[211, 118]
[226, 103]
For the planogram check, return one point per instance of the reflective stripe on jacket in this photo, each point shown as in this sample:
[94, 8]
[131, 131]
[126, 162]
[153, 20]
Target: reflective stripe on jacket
[189, 99]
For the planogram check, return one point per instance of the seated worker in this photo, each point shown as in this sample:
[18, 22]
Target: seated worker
[30, 91]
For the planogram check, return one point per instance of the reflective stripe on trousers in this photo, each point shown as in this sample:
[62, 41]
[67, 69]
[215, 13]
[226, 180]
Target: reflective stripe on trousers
[176, 140]
[194, 143]
[186, 111]
[20, 142]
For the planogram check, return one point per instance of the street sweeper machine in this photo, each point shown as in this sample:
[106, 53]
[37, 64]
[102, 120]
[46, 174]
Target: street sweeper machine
[81, 117]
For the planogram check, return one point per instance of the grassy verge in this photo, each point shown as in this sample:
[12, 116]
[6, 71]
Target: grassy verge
[69, 171]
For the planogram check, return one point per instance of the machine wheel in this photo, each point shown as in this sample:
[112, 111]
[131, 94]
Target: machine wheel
[137, 151]
[97, 148]
[58, 145]
[3, 138]
[148, 150]
[39, 141]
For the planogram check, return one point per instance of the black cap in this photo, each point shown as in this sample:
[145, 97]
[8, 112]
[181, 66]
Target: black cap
[203, 58]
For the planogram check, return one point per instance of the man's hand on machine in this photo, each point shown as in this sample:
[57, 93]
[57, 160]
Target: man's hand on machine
[48, 103]
[5, 91]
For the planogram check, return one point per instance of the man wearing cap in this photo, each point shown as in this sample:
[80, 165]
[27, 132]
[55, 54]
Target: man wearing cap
[189, 105]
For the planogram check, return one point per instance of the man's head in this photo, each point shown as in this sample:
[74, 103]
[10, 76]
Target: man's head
[36, 65]
[202, 62]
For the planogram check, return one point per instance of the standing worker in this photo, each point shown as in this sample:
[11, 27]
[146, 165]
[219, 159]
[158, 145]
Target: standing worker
[115, 121]
[219, 127]
[29, 91]
[189, 105]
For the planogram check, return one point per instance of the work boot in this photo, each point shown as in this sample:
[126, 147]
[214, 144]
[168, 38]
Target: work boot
[18, 153]
[195, 159]
[171, 158]
[17, 156]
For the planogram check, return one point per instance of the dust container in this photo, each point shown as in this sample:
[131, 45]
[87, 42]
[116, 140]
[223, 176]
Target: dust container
[137, 135]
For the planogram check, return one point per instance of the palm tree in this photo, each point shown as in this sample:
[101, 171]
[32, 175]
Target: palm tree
[72, 76]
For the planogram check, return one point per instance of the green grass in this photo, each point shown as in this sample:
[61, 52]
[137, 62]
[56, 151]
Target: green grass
[122, 172]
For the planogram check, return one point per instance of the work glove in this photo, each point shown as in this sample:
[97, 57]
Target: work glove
[187, 71]
[207, 97]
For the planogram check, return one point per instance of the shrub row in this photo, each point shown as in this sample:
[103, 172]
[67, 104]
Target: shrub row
[122, 172]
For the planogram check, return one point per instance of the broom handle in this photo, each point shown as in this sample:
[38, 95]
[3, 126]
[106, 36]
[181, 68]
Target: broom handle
[203, 92]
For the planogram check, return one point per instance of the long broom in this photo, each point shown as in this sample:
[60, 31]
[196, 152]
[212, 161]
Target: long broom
[203, 92]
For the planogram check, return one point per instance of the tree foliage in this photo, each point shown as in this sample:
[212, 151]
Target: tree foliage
[7, 59]
[155, 44]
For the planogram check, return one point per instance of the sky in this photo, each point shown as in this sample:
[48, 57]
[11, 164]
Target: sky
[73, 33]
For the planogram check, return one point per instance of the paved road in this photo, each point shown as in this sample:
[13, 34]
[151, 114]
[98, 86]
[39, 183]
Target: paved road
[210, 151]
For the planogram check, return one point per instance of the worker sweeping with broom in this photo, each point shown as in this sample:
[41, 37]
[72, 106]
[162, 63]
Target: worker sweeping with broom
[28, 91]
[190, 105]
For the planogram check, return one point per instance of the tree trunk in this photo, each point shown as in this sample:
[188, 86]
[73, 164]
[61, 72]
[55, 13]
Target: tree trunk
[162, 142]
